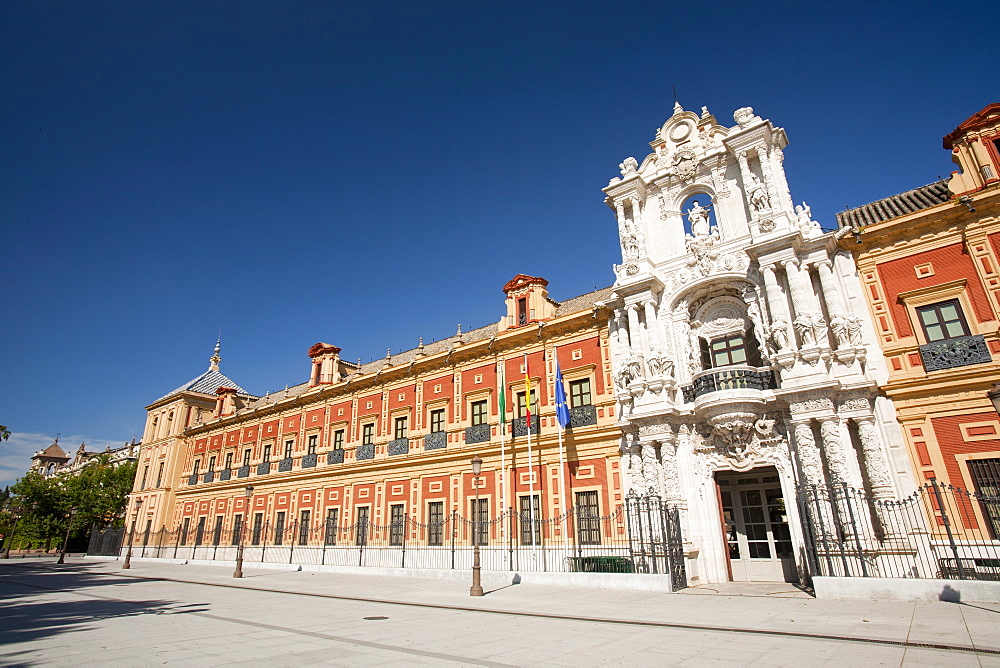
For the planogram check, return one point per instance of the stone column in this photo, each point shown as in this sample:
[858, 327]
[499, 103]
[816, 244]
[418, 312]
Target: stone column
[836, 457]
[804, 303]
[624, 339]
[834, 302]
[314, 374]
[878, 469]
[650, 474]
[620, 213]
[633, 327]
[668, 463]
[652, 334]
[777, 304]
[811, 466]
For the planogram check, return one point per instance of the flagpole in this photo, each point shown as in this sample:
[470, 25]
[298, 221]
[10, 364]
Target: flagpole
[502, 408]
[562, 457]
[531, 468]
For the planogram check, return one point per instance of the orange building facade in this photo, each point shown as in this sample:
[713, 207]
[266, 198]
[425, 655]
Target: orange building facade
[930, 262]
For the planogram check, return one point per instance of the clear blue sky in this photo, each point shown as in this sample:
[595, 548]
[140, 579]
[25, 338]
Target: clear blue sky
[367, 173]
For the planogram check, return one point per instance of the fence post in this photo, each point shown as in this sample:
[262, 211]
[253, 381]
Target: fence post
[454, 528]
[510, 535]
[292, 539]
[856, 529]
[326, 536]
[947, 528]
[177, 544]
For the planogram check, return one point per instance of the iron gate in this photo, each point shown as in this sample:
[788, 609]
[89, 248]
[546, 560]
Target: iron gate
[655, 538]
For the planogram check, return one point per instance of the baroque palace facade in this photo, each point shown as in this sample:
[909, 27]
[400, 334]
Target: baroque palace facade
[732, 364]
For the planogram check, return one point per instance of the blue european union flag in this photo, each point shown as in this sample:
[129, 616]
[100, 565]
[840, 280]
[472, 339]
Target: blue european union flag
[562, 409]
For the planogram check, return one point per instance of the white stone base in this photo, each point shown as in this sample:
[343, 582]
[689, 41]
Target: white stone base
[908, 589]
[630, 581]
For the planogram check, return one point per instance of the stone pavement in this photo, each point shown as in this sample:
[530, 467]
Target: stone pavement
[90, 611]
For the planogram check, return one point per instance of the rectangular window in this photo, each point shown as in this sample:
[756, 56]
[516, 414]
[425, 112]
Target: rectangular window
[199, 534]
[986, 477]
[435, 523]
[304, 527]
[400, 427]
[338, 439]
[367, 434]
[288, 449]
[145, 472]
[729, 351]
[279, 528]
[159, 475]
[361, 527]
[197, 465]
[479, 415]
[211, 464]
[480, 520]
[579, 393]
[521, 405]
[184, 530]
[330, 535]
[522, 311]
[217, 532]
[246, 456]
[258, 525]
[145, 534]
[237, 529]
[312, 444]
[397, 525]
[437, 420]
[531, 529]
[588, 526]
[267, 454]
[229, 460]
[944, 320]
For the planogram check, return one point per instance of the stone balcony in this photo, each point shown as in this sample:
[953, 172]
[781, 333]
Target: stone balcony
[729, 393]
[956, 352]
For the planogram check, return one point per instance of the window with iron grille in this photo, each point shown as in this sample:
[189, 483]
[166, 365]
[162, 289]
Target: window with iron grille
[217, 532]
[197, 465]
[435, 523]
[311, 445]
[521, 406]
[288, 449]
[361, 526]
[480, 520]
[367, 434]
[530, 514]
[330, 534]
[184, 530]
[279, 528]
[479, 415]
[986, 477]
[267, 453]
[400, 427]
[237, 529]
[229, 460]
[579, 393]
[338, 439]
[943, 320]
[246, 456]
[159, 475]
[588, 527]
[199, 534]
[397, 526]
[211, 464]
[437, 420]
[304, 527]
[258, 525]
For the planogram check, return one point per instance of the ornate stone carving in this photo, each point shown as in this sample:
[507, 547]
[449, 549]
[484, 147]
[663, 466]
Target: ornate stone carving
[805, 444]
[951, 353]
[743, 116]
[741, 441]
[814, 405]
[757, 194]
[698, 217]
[836, 458]
[654, 426]
[778, 335]
[855, 404]
[684, 165]
[876, 462]
[811, 328]
[629, 166]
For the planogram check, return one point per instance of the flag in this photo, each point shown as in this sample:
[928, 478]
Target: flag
[527, 394]
[562, 410]
[502, 398]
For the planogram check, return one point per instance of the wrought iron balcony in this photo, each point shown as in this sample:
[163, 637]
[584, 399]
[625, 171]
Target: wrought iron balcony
[309, 461]
[263, 468]
[479, 433]
[951, 353]
[243, 471]
[436, 440]
[193, 479]
[285, 464]
[729, 378]
[519, 427]
[366, 451]
[581, 416]
[400, 446]
[225, 474]
[335, 456]
[208, 477]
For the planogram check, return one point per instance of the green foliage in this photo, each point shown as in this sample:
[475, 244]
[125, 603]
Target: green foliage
[4, 433]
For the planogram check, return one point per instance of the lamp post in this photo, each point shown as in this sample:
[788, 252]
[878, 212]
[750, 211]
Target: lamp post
[10, 541]
[477, 588]
[69, 525]
[131, 535]
[238, 573]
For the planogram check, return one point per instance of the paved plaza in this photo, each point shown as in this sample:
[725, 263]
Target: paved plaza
[90, 611]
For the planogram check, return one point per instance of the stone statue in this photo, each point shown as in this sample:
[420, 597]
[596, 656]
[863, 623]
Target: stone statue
[628, 166]
[630, 246]
[804, 328]
[839, 327]
[779, 335]
[758, 195]
[854, 330]
[698, 217]
[654, 363]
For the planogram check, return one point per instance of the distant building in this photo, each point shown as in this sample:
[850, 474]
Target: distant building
[53, 460]
[930, 262]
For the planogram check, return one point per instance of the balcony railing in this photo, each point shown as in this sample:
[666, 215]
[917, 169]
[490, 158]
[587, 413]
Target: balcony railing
[951, 353]
[263, 468]
[285, 464]
[519, 426]
[400, 446]
[366, 451]
[479, 433]
[729, 378]
[193, 479]
[436, 440]
[309, 461]
[335, 456]
[243, 471]
[581, 416]
[225, 474]
[208, 477]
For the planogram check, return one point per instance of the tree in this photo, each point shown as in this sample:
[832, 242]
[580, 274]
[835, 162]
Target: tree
[4, 433]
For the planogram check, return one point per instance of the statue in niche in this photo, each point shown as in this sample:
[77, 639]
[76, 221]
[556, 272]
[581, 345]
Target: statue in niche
[839, 327]
[758, 195]
[804, 328]
[630, 246]
[779, 335]
[854, 330]
[698, 217]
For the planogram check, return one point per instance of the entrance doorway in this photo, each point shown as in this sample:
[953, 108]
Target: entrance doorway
[755, 526]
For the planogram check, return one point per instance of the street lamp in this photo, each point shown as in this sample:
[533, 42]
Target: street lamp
[477, 588]
[238, 573]
[69, 524]
[131, 535]
[10, 541]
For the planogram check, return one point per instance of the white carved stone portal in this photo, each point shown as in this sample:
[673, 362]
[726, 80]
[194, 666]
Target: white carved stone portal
[734, 345]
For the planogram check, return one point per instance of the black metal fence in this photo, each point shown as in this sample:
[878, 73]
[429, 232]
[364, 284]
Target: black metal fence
[641, 536]
[939, 531]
